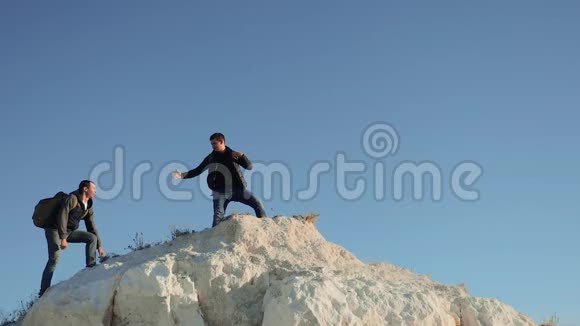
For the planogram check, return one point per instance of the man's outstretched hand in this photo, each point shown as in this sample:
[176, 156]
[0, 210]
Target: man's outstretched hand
[177, 175]
[101, 252]
[63, 244]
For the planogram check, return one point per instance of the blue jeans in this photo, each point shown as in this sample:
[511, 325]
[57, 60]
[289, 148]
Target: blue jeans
[244, 196]
[53, 241]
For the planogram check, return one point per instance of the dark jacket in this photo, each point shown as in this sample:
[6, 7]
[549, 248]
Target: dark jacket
[69, 218]
[224, 171]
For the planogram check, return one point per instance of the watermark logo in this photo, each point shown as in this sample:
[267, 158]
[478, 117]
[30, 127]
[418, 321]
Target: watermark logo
[380, 140]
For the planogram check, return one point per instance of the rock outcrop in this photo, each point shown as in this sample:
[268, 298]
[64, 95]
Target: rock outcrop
[249, 271]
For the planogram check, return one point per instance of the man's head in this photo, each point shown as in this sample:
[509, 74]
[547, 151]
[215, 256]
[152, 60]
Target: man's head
[218, 142]
[88, 188]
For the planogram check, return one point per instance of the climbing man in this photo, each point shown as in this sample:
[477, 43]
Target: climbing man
[225, 178]
[77, 206]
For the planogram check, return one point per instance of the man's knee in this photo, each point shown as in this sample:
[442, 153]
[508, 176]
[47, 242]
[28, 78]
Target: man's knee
[54, 258]
[256, 203]
[92, 238]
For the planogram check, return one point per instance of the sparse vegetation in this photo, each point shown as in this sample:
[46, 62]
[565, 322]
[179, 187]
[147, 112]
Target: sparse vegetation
[177, 232]
[138, 243]
[308, 218]
[553, 321]
[18, 314]
[235, 213]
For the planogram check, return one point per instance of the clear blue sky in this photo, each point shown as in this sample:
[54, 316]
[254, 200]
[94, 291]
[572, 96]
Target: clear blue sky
[496, 83]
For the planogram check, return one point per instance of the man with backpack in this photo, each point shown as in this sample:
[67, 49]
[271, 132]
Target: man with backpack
[62, 228]
[225, 178]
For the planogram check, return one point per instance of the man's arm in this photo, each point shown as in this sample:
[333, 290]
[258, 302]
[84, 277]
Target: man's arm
[242, 160]
[198, 170]
[62, 221]
[91, 227]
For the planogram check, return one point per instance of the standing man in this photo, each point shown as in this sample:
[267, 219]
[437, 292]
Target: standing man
[225, 178]
[76, 207]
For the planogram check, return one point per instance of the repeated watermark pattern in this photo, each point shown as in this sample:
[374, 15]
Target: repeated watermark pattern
[378, 141]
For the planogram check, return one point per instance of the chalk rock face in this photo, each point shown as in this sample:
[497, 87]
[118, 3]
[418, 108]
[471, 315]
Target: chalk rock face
[248, 271]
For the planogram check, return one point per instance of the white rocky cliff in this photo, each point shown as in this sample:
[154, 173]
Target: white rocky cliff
[250, 271]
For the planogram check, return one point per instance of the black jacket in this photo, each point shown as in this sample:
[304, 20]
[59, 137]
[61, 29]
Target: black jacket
[69, 218]
[224, 171]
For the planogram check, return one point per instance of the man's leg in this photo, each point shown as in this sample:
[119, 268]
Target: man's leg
[220, 202]
[53, 242]
[248, 198]
[91, 245]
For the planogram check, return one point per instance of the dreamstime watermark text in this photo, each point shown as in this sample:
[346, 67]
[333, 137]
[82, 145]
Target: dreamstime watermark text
[379, 141]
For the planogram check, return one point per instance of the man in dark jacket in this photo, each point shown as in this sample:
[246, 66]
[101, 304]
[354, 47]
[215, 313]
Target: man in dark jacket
[76, 207]
[225, 178]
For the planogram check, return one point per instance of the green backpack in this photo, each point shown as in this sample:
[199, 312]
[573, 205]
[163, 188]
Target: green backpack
[47, 209]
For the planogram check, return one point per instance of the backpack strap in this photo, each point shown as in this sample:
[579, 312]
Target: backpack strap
[76, 203]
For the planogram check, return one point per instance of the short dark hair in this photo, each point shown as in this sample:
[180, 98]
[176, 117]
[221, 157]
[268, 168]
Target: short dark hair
[217, 136]
[84, 183]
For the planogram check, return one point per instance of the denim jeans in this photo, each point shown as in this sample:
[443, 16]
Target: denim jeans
[244, 196]
[53, 241]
